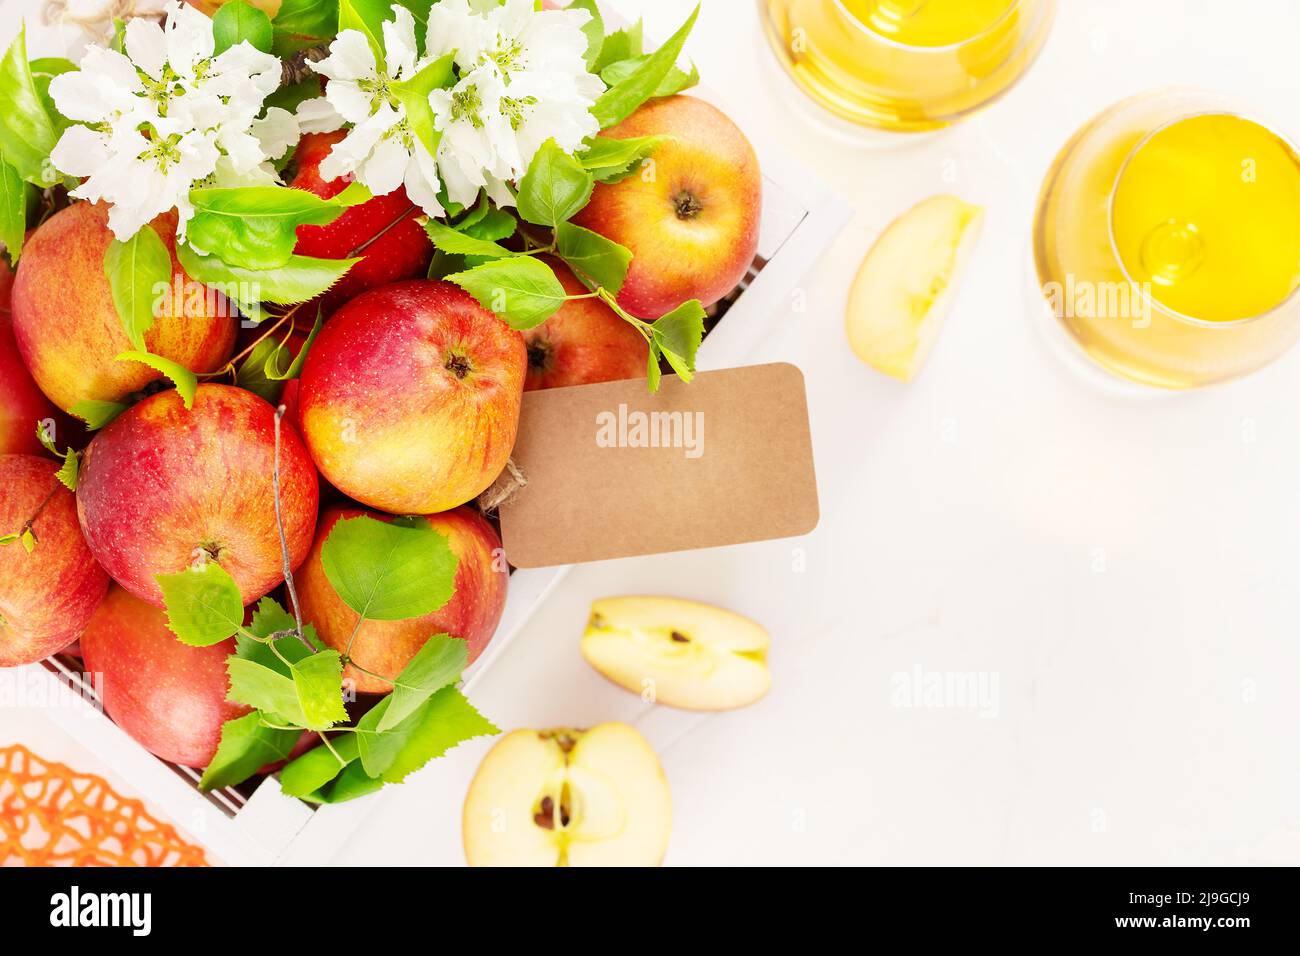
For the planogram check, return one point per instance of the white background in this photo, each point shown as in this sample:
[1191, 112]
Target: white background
[1125, 568]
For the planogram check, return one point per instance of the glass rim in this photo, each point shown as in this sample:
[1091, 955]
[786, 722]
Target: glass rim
[1151, 301]
[1012, 7]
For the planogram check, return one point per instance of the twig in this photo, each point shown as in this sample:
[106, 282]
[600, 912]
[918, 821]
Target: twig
[284, 543]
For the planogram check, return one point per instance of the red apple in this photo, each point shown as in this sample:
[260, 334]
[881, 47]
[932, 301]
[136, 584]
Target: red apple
[22, 403]
[691, 216]
[385, 647]
[47, 595]
[383, 230]
[167, 695]
[410, 397]
[584, 342]
[163, 487]
[68, 330]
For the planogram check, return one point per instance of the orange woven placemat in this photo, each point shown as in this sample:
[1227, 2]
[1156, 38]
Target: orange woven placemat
[52, 815]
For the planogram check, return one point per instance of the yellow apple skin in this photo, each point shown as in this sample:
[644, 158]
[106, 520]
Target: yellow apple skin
[901, 294]
[68, 330]
[681, 653]
[568, 797]
[690, 217]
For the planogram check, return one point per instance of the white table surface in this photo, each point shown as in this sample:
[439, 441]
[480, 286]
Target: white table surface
[1122, 570]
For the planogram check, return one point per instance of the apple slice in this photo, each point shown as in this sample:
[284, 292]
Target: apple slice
[901, 294]
[568, 797]
[685, 653]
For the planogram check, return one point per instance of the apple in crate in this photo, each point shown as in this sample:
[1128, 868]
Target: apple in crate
[584, 342]
[594, 797]
[385, 647]
[68, 329]
[164, 487]
[382, 231]
[685, 653]
[410, 397]
[47, 594]
[690, 216]
[167, 695]
[904, 287]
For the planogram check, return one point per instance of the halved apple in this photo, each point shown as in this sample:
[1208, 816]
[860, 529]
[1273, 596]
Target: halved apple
[678, 652]
[568, 797]
[903, 288]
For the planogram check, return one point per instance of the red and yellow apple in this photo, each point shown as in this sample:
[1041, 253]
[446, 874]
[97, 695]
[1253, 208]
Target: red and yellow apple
[690, 215]
[167, 695]
[69, 332]
[22, 403]
[163, 488]
[383, 231]
[410, 397]
[48, 594]
[582, 343]
[385, 647]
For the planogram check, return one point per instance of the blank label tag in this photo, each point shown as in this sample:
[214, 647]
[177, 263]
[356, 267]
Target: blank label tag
[613, 471]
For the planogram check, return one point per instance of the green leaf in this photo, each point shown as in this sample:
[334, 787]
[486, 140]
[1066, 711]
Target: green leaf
[435, 665]
[440, 723]
[69, 471]
[619, 102]
[246, 747]
[620, 45]
[269, 618]
[236, 21]
[251, 374]
[8, 538]
[458, 243]
[13, 210]
[368, 17]
[137, 269]
[352, 783]
[613, 160]
[496, 224]
[319, 681]
[598, 262]
[302, 23]
[414, 96]
[388, 570]
[673, 82]
[652, 372]
[28, 538]
[273, 368]
[678, 336]
[265, 688]
[594, 29]
[255, 227]
[521, 290]
[27, 130]
[318, 766]
[203, 605]
[96, 413]
[554, 187]
[299, 279]
[186, 382]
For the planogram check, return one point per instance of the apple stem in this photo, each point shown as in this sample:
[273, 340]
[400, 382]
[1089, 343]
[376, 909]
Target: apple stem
[284, 543]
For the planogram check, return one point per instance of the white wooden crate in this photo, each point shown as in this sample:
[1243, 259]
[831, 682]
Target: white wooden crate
[801, 217]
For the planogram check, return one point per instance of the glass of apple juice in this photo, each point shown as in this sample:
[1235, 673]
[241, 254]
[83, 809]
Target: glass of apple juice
[1167, 240]
[906, 65]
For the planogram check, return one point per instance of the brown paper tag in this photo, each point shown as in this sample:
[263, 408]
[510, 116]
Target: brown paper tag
[613, 471]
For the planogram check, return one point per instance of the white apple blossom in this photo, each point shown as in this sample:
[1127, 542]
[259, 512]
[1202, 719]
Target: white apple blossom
[167, 115]
[381, 151]
[521, 78]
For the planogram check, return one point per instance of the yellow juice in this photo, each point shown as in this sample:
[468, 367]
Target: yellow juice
[1207, 211]
[1167, 240]
[906, 64]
